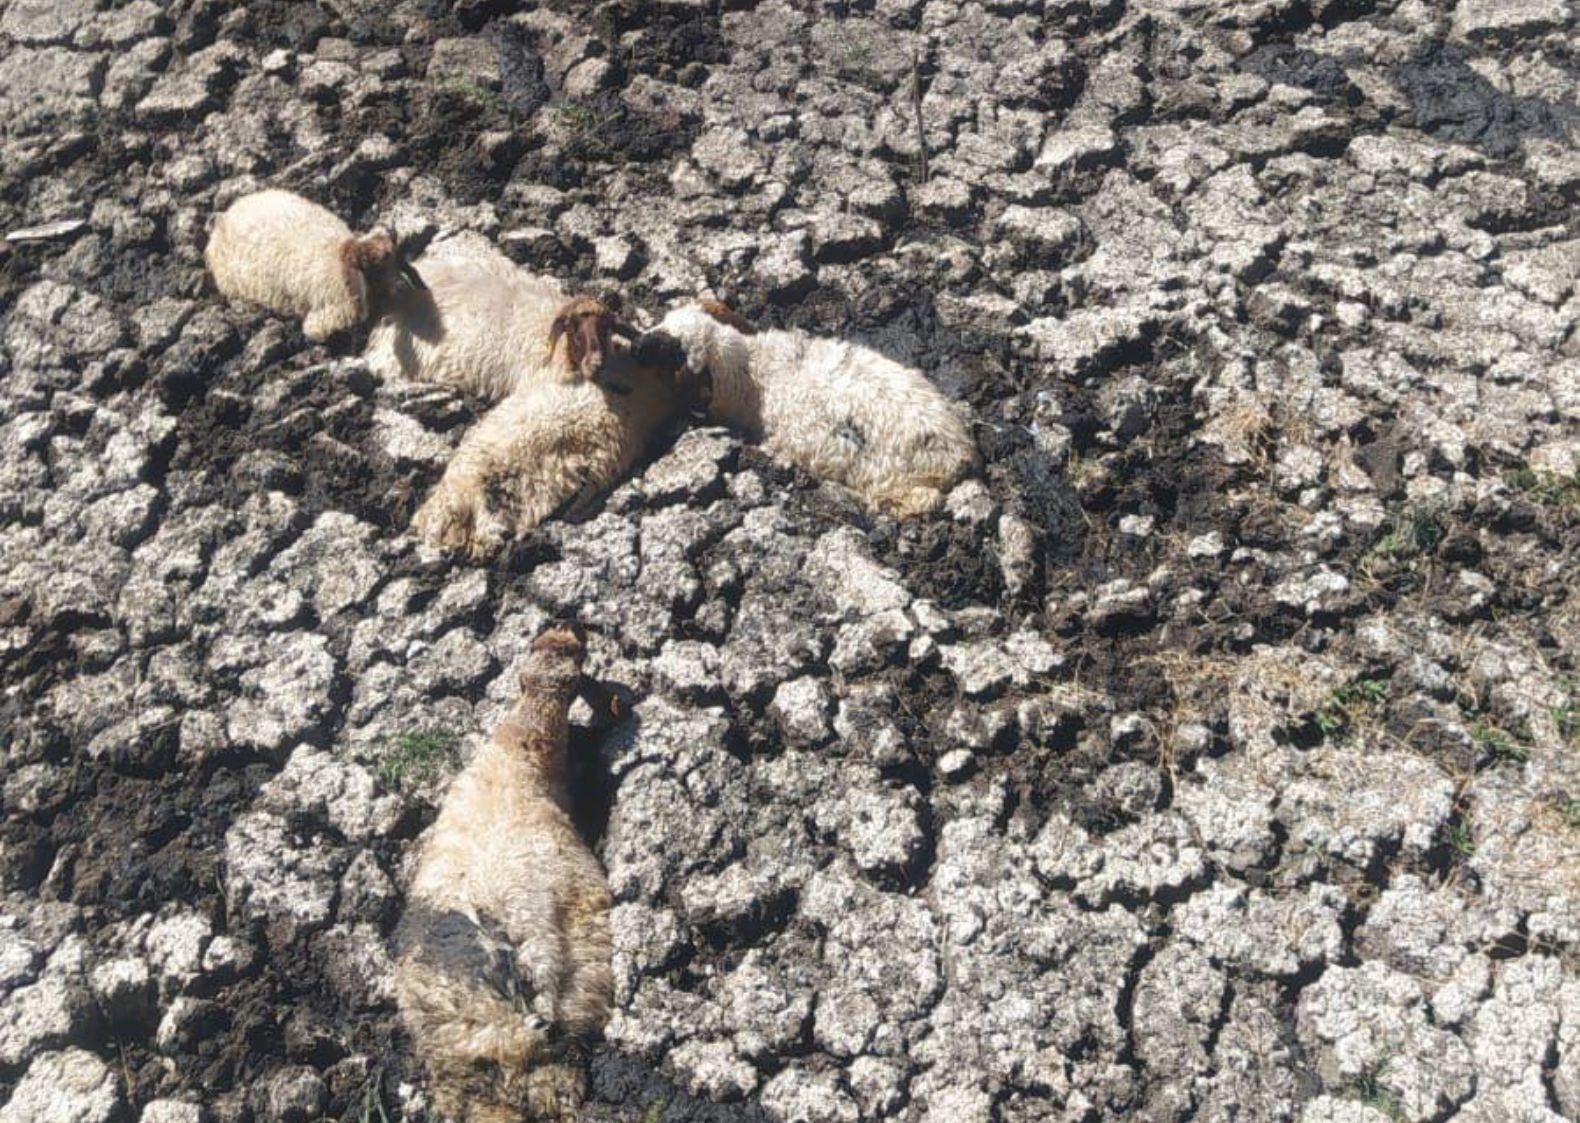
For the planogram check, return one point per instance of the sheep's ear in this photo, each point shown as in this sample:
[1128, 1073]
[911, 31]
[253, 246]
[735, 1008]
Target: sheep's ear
[727, 316]
[607, 706]
[408, 275]
[559, 327]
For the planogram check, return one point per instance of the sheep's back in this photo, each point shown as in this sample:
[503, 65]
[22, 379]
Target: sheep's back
[853, 415]
[492, 322]
[279, 250]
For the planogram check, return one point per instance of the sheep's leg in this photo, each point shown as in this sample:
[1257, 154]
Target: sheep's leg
[560, 478]
[456, 515]
[907, 502]
[488, 534]
[589, 990]
[577, 482]
[582, 502]
[448, 518]
[330, 319]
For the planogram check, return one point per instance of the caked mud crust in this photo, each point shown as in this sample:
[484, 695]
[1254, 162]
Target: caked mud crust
[1218, 754]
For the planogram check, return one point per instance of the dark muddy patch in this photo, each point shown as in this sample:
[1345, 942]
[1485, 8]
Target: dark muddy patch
[604, 129]
[672, 44]
[944, 561]
[1321, 75]
[307, 432]
[523, 85]
[1450, 101]
[625, 1089]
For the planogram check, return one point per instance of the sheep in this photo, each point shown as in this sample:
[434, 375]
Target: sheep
[502, 952]
[551, 445]
[838, 410]
[292, 256]
[485, 327]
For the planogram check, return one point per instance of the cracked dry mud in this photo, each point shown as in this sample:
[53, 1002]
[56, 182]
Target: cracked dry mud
[1216, 757]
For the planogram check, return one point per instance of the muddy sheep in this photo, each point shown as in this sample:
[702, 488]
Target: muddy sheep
[551, 446]
[486, 327]
[295, 258]
[502, 952]
[837, 410]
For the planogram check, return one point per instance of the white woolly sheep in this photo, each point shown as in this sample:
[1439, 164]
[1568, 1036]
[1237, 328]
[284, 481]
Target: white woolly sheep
[837, 410]
[486, 327]
[292, 256]
[550, 445]
[502, 953]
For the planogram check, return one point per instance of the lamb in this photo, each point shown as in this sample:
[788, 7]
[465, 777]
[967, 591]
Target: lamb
[551, 445]
[292, 256]
[485, 327]
[838, 410]
[502, 953]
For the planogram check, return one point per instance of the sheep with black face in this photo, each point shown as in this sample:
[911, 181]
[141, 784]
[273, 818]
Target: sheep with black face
[837, 410]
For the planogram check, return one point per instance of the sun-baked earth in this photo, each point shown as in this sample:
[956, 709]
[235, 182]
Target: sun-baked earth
[1216, 757]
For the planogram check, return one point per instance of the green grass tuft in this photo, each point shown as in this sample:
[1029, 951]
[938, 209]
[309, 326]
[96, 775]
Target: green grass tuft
[469, 89]
[1546, 489]
[1337, 714]
[418, 756]
[1462, 840]
[1414, 531]
[1499, 743]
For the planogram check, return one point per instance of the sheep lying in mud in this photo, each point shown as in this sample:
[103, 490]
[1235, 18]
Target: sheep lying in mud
[502, 954]
[548, 446]
[838, 410]
[486, 328]
[293, 257]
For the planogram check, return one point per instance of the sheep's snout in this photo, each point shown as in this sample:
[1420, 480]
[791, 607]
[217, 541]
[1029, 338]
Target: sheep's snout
[662, 353]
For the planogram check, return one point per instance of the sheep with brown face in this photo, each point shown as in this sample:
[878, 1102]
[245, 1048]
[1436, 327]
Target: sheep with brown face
[292, 256]
[840, 411]
[486, 327]
[551, 446]
[502, 954]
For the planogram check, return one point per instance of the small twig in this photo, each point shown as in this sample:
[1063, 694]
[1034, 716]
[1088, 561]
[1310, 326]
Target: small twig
[916, 107]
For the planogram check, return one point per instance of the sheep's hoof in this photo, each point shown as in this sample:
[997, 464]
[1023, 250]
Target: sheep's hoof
[910, 503]
[485, 536]
[446, 524]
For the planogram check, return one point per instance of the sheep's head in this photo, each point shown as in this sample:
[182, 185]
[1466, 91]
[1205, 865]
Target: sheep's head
[659, 355]
[378, 260]
[707, 340]
[555, 662]
[588, 327]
